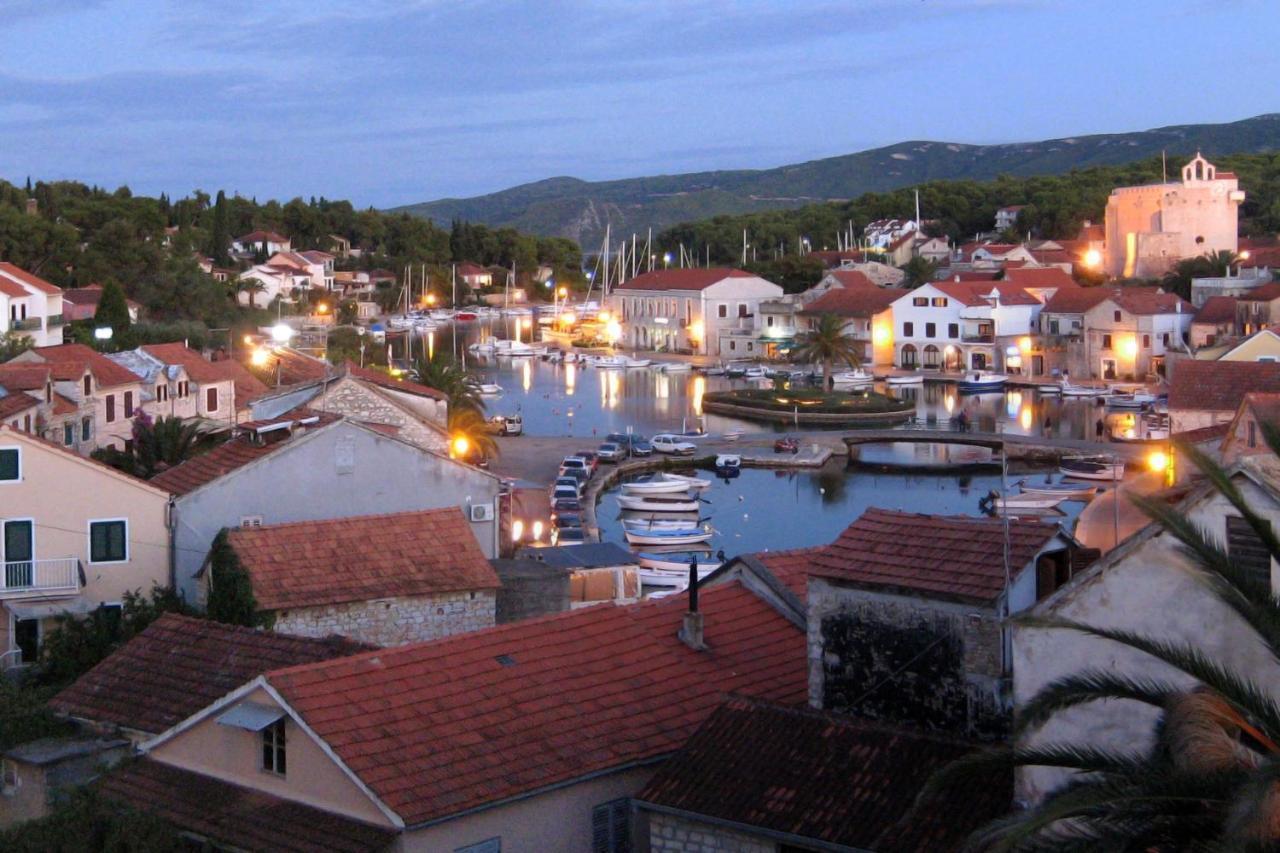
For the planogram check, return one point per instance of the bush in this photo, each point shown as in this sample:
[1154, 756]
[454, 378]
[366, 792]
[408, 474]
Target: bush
[85, 822]
[24, 716]
[230, 592]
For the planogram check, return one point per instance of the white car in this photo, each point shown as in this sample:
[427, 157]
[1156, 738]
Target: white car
[673, 444]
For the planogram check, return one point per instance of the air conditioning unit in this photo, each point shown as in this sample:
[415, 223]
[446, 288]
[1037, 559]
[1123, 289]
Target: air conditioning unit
[481, 512]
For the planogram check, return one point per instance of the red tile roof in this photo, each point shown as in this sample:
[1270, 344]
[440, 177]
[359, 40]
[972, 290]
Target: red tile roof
[1053, 256]
[236, 817]
[971, 275]
[15, 403]
[8, 288]
[1216, 432]
[791, 567]
[8, 270]
[1039, 277]
[466, 268]
[69, 361]
[933, 555]
[1076, 300]
[438, 728]
[1149, 300]
[1092, 233]
[248, 386]
[362, 558]
[682, 279]
[852, 278]
[997, 249]
[1217, 309]
[199, 368]
[1263, 293]
[833, 779]
[25, 376]
[1264, 405]
[178, 665]
[295, 366]
[1219, 386]
[262, 236]
[854, 301]
[976, 292]
[385, 380]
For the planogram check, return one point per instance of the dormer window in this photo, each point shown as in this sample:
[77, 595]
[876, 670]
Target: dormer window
[88, 385]
[274, 758]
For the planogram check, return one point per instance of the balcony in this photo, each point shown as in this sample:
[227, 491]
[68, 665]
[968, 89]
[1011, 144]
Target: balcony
[30, 324]
[41, 578]
[978, 339]
[56, 320]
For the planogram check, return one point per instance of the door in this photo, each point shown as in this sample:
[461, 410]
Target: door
[19, 551]
[26, 636]
[1108, 368]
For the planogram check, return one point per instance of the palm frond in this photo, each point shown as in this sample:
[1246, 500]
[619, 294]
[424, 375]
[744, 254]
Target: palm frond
[979, 765]
[1221, 480]
[1091, 686]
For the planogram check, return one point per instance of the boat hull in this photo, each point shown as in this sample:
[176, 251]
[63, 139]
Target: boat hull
[660, 487]
[1093, 471]
[658, 537]
[651, 504]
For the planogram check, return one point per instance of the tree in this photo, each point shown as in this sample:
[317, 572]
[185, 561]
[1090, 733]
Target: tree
[477, 442]
[827, 343]
[445, 375]
[113, 312]
[13, 345]
[156, 446]
[1210, 781]
[220, 236]
[919, 270]
[85, 821]
[231, 598]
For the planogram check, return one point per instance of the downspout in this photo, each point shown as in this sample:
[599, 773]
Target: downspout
[173, 544]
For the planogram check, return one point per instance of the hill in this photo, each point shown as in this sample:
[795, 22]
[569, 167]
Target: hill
[569, 207]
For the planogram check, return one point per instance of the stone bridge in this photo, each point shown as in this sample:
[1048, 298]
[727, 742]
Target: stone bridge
[1016, 446]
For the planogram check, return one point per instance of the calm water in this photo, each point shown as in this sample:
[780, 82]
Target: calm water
[757, 511]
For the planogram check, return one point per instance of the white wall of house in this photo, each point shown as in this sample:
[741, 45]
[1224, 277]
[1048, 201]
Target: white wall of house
[673, 319]
[1110, 331]
[37, 315]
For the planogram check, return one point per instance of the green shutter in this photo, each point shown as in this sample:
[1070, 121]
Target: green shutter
[9, 464]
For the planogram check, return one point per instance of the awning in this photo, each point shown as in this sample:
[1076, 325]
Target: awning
[251, 716]
[74, 606]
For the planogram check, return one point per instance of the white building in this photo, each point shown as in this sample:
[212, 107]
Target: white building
[276, 281]
[881, 232]
[30, 306]
[701, 311]
[958, 325]
[318, 266]
[267, 242]
[1007, 217]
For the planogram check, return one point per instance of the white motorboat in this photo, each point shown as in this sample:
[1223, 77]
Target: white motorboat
[658, 503]
[489, 389]
[677, 563]
[668, 537]
[697, 484]
[610, 361]
[755, 372]
[483, 346]
[570, 357]
[653, 523]
[636, 362]
[1092, 468]
[976, 382]
[655, 487]
[712, 370]
[1069, 390]
[672, 366]
[909, 379]
[1065, 491]
[1023, 501]
[728, 461]
[1135, 400]
[853, 378]
[1049, 388]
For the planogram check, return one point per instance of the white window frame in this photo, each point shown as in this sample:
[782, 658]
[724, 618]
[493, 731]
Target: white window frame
[88, 530]
[21, 469]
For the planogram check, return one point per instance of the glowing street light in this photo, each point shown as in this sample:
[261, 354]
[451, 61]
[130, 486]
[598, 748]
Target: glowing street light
[281, 333]
[1158, 460]
[517, 530]
[103, 333]
[460, 445]
[260, 357]
[1093, 259]
[1129, 347]
[537, 530]
[322, 308]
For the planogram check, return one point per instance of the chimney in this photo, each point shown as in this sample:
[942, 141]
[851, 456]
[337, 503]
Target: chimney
[691, 630]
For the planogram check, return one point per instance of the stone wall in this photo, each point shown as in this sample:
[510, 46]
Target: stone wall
[393, 621]
[932, 664]
[671, 834]
[357, 401]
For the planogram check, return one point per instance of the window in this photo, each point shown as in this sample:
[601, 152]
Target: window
[1075, 325]
[184, 388]
[111, 408]
[1106, 342]
[939, 302]
[611, 827]
[128, 404]
[919, 301]
[1116, 314]
[68, 434]
[273, 752]
[108, 541]
[86, 429]
[162, 393]
[1053, 327]
[908, 330]
[1245, 549]
[742, 310]
[250, 521]
[10, 464]
[88, 385]
[768, 321]
[1164, 339]
[953, 330]
[930, 330]
[211, 400]
[489, 845]
[722, 310]
[1253, 434]
[732, 345]
[1146, 342]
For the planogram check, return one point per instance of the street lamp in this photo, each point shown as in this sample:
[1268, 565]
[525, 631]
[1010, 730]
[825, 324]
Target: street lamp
[281, 333]
[103, 333]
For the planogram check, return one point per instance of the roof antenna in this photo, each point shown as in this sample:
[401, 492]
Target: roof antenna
[691, 630]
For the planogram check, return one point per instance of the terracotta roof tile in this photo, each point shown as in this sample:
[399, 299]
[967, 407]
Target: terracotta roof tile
[25, 376]
[854, 301]
[977, 292]
[16, 402]
[828, 778]
[438, 728]
[852, 278]
[1262, 293]
[236, 817]
[297, 366]
[11, 289]
[16, 273]
[1217, 309]
[1039, 277]
[261, 236]
[791, 567]
[1219, 386]
[69, 361]
[247, 386]
[682, 279]
[178, 665]
[64, 405]
[362, 558]
[1149, 300]
[385, 380]
[1076, 300]
[199, 368]
[932, 555]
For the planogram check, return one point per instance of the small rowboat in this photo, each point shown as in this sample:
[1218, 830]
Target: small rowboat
[677, 562]
[696, 483]
[673, 367]
[668, 537]
[1020, 502]
[1069, 390]
[853, 379]
[658, 503]
[979, 383]
[1066, 491]
[644, 524]
[656, 486]
[1092, 468]
[490, 390]
[909, 379]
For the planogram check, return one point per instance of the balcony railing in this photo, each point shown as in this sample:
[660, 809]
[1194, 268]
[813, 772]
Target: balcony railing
[978, 339]
[35, 578]
[56, 320]
[30, 324]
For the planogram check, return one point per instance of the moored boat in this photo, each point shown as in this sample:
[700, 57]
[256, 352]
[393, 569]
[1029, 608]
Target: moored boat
[1066, 491]
[1092, 468]
[853, 378]
[908, 379]
[975, 382]
[1023, 501]
[658, 503]
[668, 537]
[1069, 390]
[655, 487]
[677, 562]
[490, 390]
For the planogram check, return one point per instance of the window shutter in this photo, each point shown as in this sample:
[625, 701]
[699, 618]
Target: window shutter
[1246, 550]
[611, 827]
[9, 464]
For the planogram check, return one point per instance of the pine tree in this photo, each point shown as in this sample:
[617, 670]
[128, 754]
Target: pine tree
[220, 242]
[113, 312]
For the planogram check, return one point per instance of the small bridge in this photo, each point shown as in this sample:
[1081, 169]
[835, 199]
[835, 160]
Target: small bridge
[943, 432]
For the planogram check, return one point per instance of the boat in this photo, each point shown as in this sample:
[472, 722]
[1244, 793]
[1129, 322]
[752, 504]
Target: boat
[673, 367]
[695, 483]
[755, 372]
[1050, 388]
[1135, 400]
[609, 361]
[728, 462]
[1066, 491]
[466, 316]
[712, 370]
[1069, 390]
[636, 362]
[570, 357]
[655, 487]
[1092, 468]
[668, 537]
[482, 346]
[853, 378]
[978, 383]
[909, 379]
[489, 389]
[992, 500]
[658, 503]
[677, 562]
[733, 434]
[654, 523]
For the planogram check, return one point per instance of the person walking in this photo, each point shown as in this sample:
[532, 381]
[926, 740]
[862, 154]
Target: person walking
[1097, 429]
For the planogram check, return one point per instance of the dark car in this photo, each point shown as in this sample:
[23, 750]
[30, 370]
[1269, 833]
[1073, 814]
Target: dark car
[566, 519]
[560, 505]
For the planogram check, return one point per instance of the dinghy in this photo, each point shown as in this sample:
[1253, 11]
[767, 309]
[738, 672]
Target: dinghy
[658, 503]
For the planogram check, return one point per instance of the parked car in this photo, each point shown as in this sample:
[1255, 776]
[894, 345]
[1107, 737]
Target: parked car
[575, 466]
[507, 424]
[565, 493]
[559, 505]
[590, 457]
[572, 482]
[568, 536]
[635, 445]
[786, 444]
[566, 519]
[673, 444]
[611, 451]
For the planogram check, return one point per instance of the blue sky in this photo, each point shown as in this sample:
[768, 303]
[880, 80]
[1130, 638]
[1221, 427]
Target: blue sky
[392, 101]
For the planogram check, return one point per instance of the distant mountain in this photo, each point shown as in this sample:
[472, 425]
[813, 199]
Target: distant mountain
[569, 207]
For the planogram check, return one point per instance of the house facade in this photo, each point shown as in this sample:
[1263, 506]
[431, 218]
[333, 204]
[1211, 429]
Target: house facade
[58, 415]
[30, 306]
[867, 313]
[179, 382]
[701, 311]
[276, 282]
[964, 325]
[261, 242]
[90, 380]
[77, 535]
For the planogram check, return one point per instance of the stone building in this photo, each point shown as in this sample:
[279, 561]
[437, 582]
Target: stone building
[1207, 393]
[1150, 228]
[907, 616]
[381, 579]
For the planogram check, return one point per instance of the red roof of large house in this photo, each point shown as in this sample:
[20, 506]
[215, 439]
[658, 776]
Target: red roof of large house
[834, 779]
[1217, 309]
[1039, 277]
[1149, 300]
[1076, 300]
[996, 249]
[199, 368]
[439, 728]
[976, 292]
[391, 383]
[682, 279]
[25, 375]
[16, 402]
[69, 361]
[852, 278]
[1218, 386]
[295, 366]
[178, 665]
[1263, 293]
[361, 558]
[791, 567]
[16, 273]
[854, 301]
[8, 288]
[956, 557]
[262, 237]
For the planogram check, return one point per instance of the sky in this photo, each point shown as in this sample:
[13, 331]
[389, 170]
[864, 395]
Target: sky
[388, 102]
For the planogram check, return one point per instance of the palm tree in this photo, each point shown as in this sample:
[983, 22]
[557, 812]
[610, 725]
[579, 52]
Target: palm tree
[828, 343]
[469, 435]
[1212, 779]
[251, 286]
[445, 375]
